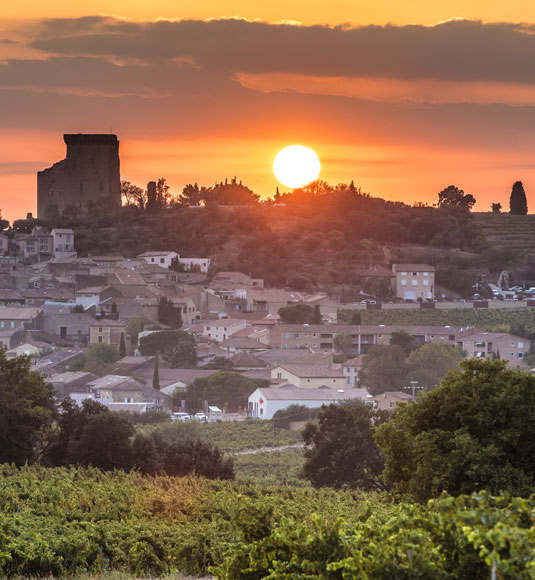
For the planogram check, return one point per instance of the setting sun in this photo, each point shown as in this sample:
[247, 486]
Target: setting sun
[295, 166]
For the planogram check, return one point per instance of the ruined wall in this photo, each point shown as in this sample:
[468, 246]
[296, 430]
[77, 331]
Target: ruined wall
[89, 173]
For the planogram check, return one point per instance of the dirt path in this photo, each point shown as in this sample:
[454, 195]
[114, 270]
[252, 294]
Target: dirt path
[262, 449]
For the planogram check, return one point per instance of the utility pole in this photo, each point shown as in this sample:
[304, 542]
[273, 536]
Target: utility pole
[414, 385]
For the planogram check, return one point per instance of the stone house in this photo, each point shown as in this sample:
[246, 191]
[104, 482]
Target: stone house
[413, 281]
[107, 331]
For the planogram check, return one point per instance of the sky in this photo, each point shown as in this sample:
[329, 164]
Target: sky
[402, 98]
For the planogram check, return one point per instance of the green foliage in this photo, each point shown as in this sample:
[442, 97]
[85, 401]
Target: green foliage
[340, 450]
[298, 313]
[453, 196]
[343, 344]
[103, 352]
[404, 340]
[175, 346]
[27, 411]
[518, 204]
[293, 413]
[383, 369]
[429, 364]
[495, 320]
[475, 431]
[169, 314]
[225, 389]
[271, 467]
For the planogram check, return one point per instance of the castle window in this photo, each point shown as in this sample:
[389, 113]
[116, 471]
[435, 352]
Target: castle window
[100, 186]
[81, 187]
[51, 193]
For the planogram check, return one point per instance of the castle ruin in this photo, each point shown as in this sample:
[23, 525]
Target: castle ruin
[88, 175]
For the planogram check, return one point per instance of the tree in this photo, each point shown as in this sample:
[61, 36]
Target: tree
[453, 196]
[404, 340]
[122, 346]
[133, 195]
[384, 369]
[316, 315]
[224, 389]
[103, 352]
[356, 319]
[163, 195]
[134, 327]
[194, 195]
[429, 364]
[27, 411]
[168, 313]
[496, 207]
[174, 346]
[343, 344]
[298, 313]
[232, 193]
[156, 375]
[340, 450]
[518, 204]
[476, 431]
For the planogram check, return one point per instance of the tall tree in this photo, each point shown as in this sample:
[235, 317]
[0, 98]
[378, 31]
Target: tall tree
[27, 411]
[133, 195]
[476, 431]
[384, 369]
[156, 375]
[168, 313]
[122, 346]
[340, 450]
[518, 204]
[452, 196]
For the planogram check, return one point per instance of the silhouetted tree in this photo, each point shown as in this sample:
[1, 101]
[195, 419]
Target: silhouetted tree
[496, 207]
[517, 202]
[133, 195]
[156, 375]
[453, 196]
[122, 346]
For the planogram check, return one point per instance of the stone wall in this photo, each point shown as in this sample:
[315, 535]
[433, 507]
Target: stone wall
[89, 173]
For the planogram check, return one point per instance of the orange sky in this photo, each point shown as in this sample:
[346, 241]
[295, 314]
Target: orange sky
[404, 107]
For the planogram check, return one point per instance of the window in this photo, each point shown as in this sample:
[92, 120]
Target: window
[426, 282]
[520, 345]
[426, 273]
[415, 273]
[100, 329]
[279, 375]
[162, 260]
[100, 338]
[404, 282]
[403, 273]
[415, 282]
[12, 324]
[348, 380]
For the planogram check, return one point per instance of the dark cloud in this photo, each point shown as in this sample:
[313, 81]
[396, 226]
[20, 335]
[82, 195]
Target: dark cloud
[456, 50]
[8, 41]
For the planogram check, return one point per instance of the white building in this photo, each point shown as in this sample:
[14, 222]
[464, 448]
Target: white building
[266, 401]
[163, 259]
[202, 264]
[62, 242]
[221, 329]
[308, 376]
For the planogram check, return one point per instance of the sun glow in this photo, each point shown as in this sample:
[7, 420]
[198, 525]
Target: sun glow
[295, 166]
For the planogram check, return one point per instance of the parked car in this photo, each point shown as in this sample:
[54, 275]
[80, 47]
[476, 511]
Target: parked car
[180, 417]
[200, 417]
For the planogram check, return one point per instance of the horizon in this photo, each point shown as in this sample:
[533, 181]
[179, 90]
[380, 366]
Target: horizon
[403, 102]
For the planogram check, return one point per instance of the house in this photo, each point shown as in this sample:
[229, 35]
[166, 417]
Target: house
[70, 382]
[264, 300]
[107, 331]
[219, 330]
[413, 281]
[11, 337]
[236, 344]
[63, 322]
[479, 344]
[351, 369]
[308, 376]
[195, 264]
[243, 361]
[21, 317]
[163, 259]
[62, 242]
[266, 401]
[391, 399]
[34, 349]
[121, 389]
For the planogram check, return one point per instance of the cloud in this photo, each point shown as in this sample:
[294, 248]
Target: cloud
[459, 50]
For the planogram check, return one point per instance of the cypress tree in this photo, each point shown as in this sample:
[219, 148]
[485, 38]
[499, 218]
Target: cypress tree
[517, 202]
[156, 375]
[122, 346]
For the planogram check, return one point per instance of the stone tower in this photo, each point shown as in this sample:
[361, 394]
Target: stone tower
[89, 173]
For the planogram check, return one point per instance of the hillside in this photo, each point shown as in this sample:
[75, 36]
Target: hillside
[514, 234]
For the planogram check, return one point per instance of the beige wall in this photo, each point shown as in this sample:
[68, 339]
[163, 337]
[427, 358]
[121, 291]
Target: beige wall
[413, 285]
[309, 382]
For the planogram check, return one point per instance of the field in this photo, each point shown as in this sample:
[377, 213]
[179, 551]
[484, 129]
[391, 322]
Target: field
[490, 320]
[271, 467]
[509, 232]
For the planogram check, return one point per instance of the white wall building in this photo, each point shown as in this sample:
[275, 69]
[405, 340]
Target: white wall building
[203, 264]
[266, 401]
[221, 329]
[163, 259]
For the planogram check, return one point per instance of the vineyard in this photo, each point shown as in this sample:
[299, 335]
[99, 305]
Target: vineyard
[69, 522]
[490, 320]
[509, 232]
